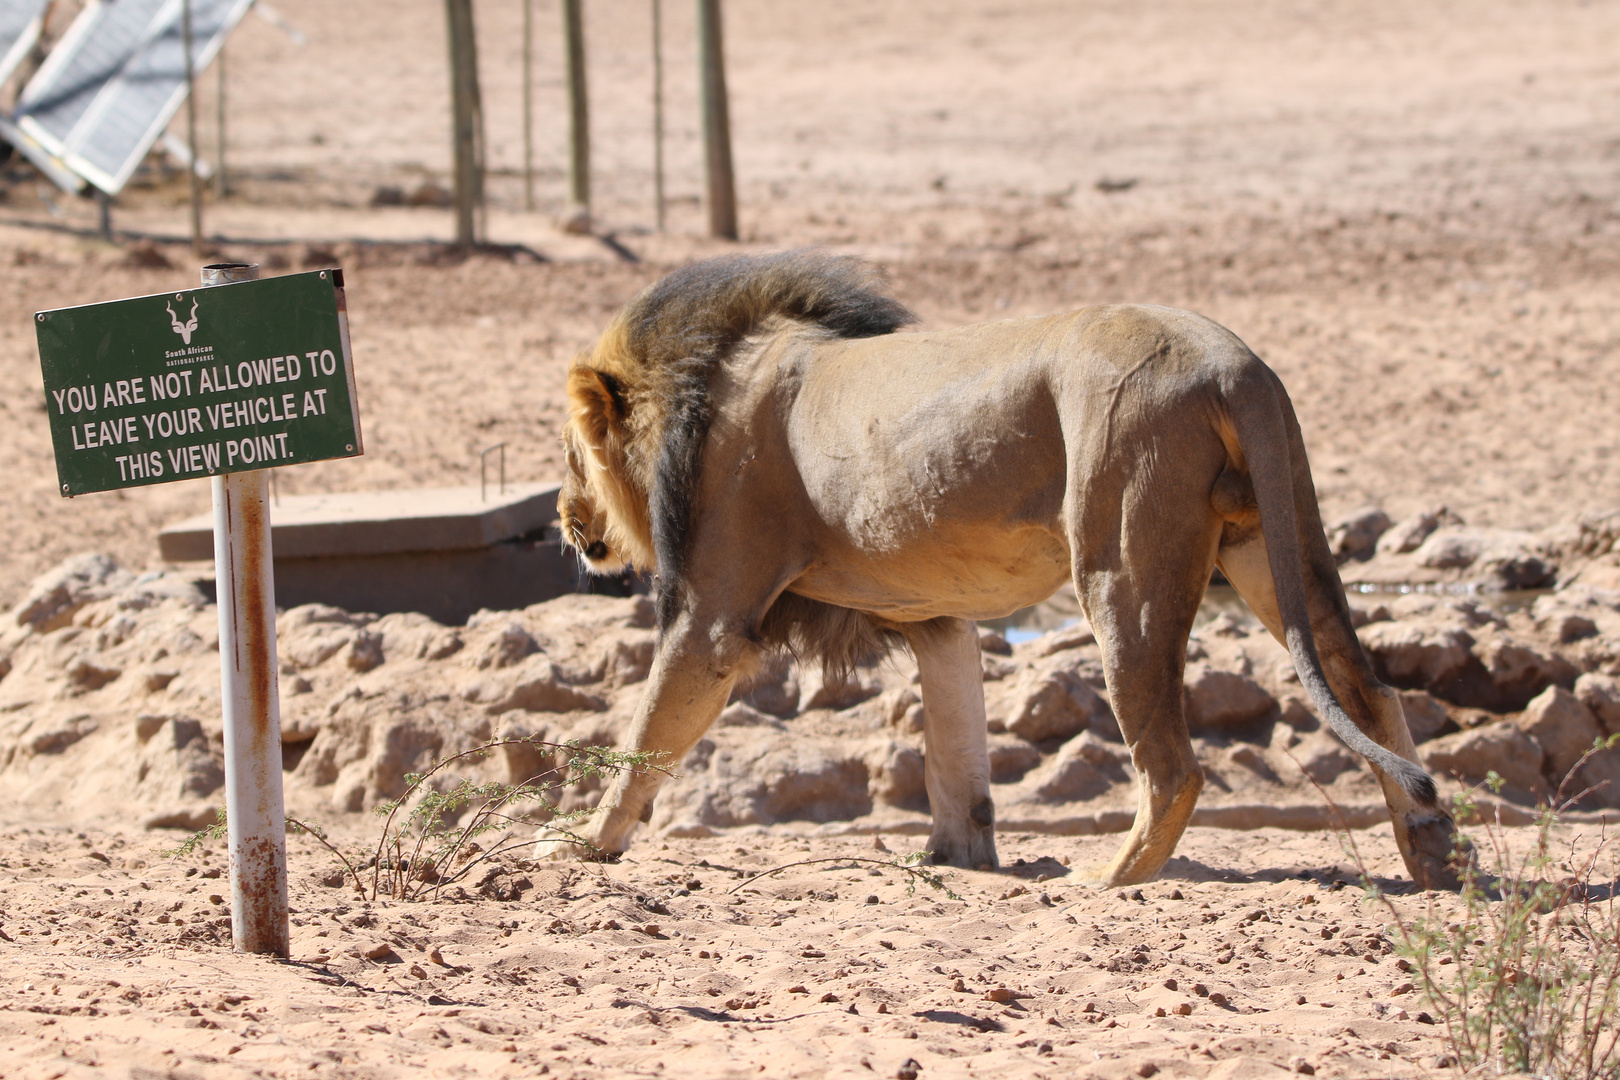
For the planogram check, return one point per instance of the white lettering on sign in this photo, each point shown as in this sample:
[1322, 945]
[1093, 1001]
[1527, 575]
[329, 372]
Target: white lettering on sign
[146, 466]
[257, 448]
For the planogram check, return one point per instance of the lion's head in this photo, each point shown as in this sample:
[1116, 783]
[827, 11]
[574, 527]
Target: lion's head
[602, 507]
[637, 400]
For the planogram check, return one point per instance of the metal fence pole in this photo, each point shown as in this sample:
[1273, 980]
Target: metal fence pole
[658, 108]
[222, 186]
[716, 122]
[245, 585]
[578, 214]
[191, 130]
[528, 104]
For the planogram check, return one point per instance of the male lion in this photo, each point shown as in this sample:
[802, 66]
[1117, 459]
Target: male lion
[797, 475]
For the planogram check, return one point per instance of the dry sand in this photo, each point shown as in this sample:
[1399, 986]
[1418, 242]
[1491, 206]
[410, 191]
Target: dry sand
[1408, 210]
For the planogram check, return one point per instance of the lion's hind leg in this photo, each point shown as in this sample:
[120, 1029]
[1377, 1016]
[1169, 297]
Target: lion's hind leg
[1141, 605]
[956, 750]
[1424, 834]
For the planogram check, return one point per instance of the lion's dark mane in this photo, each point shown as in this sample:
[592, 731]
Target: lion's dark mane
[684, 327]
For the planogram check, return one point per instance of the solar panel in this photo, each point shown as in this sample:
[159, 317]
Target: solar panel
[20, 24]
[110, 87]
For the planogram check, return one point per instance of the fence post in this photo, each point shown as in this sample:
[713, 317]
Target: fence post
[577, 218]
[716, 122]
[658, 108]
[465, 107]
[528, 104]
[191, 130]
[246, 590]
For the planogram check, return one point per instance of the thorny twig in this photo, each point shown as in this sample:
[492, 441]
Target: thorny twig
[908, 864]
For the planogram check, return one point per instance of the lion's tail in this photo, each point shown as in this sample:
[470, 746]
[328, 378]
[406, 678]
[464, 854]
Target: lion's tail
[1263, 434]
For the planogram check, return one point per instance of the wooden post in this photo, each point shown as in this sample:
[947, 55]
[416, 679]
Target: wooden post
[464, 109]
[528, 104]
[716, 123]
[222, 186]
[577, 218]
[658, 108]
[191, 130]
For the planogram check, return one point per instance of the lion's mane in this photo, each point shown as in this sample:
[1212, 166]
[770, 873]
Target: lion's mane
[640, 412]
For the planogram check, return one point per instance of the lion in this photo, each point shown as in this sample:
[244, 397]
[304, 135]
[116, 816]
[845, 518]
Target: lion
[794, 473]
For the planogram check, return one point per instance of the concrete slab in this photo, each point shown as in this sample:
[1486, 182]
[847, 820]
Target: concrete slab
[364, 523]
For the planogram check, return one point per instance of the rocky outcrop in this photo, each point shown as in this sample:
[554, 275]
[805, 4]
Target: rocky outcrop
[109, 708]
[1435, 546]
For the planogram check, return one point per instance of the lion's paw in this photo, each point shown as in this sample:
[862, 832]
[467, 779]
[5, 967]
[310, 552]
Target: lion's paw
[557, 845]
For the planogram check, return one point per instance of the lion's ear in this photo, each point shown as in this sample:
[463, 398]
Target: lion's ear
[598, 403]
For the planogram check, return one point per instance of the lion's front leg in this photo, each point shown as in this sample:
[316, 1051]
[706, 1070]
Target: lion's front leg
[956, 748]
[689, 684]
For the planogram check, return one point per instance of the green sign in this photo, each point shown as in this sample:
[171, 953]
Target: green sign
[200, 382]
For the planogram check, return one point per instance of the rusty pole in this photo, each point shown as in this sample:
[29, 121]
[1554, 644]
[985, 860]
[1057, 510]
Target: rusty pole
[191, 131]
[246, 588]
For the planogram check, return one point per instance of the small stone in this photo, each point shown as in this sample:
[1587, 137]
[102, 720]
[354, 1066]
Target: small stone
[1299, 999]
[1218, 999]
[1159, 1011]
[959, 986]
[1200, 989]
[650, 929]
[1175, 894]
[878, 844]
[1444, 1061]
[872, 898]
[1146, 1069]
[797, 990]
[417, 972]
[883, 1006]
[380, 951]
[1169, 984]
[829, 999]
[1136, 894]
[1000, 995]
[1183, 1009]
[1424, 1018]
[435, 956]
[909, 1068]
[1301, 1066]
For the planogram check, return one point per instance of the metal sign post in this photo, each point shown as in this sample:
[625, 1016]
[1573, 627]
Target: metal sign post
[245, 585]
[161, 388]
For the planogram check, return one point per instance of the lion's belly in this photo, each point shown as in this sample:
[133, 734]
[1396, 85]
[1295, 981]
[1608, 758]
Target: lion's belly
[939, 486]
[981, 573]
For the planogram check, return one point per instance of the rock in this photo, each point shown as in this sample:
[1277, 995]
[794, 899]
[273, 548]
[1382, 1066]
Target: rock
[1085, 767]
[774, 689]
[1324, 758]
[1501, 747]
[1419, 652]
[1425, 717]
[56, 596]
[1011, 758]
[1407, 534]
[1601, 694]
[1356, 536]
[817, 691]
[1518, 670]
[1049, 701]
[897, 777]
[1566, 729]
[1217, 700]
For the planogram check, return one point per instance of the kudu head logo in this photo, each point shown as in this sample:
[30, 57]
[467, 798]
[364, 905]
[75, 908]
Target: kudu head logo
[184, 329]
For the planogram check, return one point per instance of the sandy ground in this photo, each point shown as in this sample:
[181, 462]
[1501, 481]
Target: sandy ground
[675, 962]
[1408, 209]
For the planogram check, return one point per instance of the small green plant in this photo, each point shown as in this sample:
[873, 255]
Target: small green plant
[1525, 971]
[914, 866]
[430, 838]
[435, 843]
[216, 831]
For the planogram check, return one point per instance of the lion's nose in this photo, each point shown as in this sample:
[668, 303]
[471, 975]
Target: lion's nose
[597, 550]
